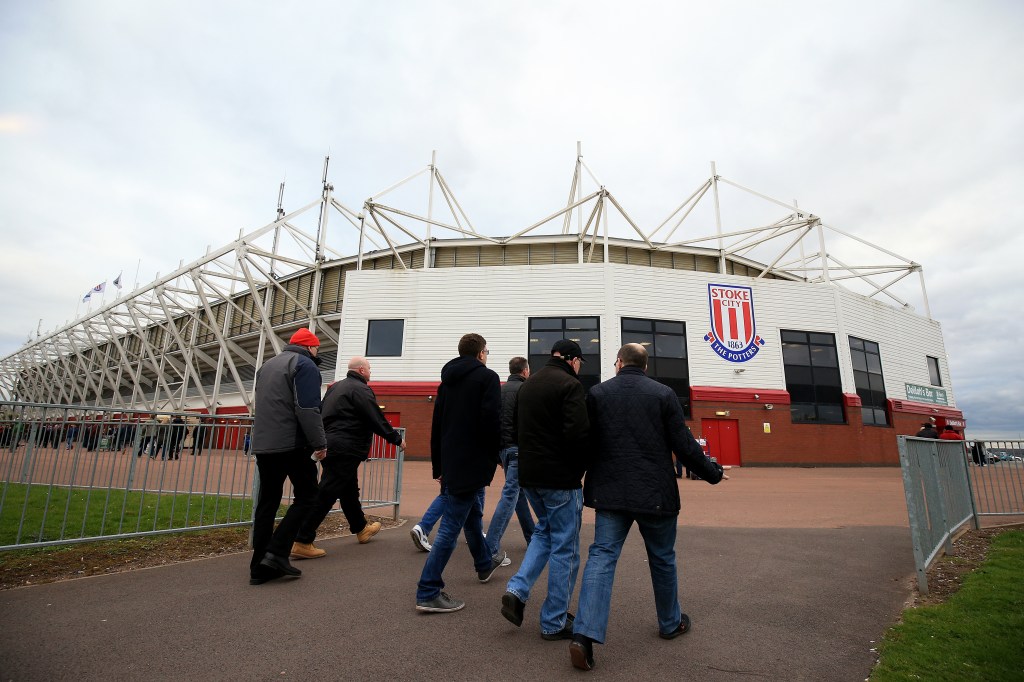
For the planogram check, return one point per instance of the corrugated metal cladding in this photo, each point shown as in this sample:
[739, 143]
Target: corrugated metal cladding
[439, 305]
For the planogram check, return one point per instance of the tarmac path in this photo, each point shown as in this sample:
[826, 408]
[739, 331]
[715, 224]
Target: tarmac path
[788, 574]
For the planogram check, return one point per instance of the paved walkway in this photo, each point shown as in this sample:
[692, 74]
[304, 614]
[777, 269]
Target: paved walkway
[788, 574]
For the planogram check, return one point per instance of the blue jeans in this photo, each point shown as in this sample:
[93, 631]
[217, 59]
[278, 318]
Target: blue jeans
[510, 499]
[460, 512]
[436, 510]
[555, 544]
[610, 530]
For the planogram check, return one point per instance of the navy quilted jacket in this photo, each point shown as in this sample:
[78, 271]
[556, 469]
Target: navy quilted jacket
[637, 424]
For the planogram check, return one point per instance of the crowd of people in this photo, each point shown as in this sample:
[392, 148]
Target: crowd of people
[561, 448]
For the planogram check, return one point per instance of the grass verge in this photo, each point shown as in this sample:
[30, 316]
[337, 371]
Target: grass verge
[977, 635]
[57, 513]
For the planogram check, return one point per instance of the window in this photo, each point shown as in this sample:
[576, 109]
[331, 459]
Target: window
[812, 377]
[933, 371]
[666, 349]
[544, 331]
[867, 376]
[384, 338]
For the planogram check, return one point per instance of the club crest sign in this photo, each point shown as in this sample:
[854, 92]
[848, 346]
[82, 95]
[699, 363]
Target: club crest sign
[733, 334]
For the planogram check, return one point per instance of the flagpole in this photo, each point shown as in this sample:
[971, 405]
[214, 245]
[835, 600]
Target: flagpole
[137, 266]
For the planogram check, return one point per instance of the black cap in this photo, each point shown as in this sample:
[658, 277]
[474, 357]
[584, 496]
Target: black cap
[568, 349]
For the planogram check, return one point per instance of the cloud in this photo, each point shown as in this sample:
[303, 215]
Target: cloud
[148, 131]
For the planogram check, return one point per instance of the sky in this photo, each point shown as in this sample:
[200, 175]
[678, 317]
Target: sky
[135, 134]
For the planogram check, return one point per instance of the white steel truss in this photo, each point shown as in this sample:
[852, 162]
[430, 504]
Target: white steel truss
[200, 332]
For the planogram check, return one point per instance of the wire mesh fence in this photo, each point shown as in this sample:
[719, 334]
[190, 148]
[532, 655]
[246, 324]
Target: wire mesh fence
[71, 474]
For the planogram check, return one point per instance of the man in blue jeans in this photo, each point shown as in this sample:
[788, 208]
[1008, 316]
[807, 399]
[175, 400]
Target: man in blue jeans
[464, 439]
[637, 423]
[552, 425]
[511, 499]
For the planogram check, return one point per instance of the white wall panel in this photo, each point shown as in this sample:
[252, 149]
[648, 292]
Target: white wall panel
[440, 305]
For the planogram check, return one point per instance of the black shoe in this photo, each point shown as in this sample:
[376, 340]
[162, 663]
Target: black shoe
[512, 608]
[264, 575]
[581, 651]
[279, 563]
[564, 633]
[684, 627]
[496, 562]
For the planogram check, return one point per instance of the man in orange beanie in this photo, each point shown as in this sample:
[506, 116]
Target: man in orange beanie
[287, 429]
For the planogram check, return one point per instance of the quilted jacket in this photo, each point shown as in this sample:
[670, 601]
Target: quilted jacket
[637, 423]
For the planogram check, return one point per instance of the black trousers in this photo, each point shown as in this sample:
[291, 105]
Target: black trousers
[340, 482]
[298, 468]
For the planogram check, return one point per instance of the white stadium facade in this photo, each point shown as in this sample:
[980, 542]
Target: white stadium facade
[788, 342]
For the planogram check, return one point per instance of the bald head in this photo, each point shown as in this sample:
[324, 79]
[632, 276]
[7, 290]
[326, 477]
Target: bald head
[633, 355]
[360, 365]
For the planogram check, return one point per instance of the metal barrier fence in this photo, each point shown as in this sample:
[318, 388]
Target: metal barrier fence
[997, 479]
[939, 502]
[73, 474]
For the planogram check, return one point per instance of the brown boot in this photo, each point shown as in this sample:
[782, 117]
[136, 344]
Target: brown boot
[366, 533]
[301, 550]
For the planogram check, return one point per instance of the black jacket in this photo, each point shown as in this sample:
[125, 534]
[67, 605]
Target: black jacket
[927, 432]
[351, 417]
[465, 430]
[287, 413]
[552, 427]
[638, 423]
[509, 394]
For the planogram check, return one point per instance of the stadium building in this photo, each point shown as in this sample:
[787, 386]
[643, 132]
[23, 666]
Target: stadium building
[781, 348]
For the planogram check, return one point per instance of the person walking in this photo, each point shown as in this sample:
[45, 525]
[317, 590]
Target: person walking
[198, 438]
[552, 423]
[464, 440]
[637, 423]
[351, 416]
[511, 499]
[927, 431]
[287, 431]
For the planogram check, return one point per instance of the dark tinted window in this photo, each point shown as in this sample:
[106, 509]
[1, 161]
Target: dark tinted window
[667, 363]
[811, 366]
[933, 371]
[867, 377]
[384, 338]
[544, 331]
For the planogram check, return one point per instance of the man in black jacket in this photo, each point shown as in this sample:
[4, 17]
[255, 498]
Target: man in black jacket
[286, 430]
[464, 439]
[637, 425]
[351, 416]
[511, 497]
[551, 417]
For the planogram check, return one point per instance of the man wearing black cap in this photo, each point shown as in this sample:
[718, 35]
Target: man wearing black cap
[552, 425]
[286, 430]
[927, 431]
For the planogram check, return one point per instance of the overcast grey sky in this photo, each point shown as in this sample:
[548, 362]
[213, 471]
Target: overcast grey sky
[148, 130]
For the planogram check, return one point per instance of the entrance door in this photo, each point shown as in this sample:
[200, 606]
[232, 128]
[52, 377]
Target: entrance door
[723, 437]
[381, 448]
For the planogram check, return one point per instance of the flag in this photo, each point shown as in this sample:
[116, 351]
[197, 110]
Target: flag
[117, 280]
[98, 289]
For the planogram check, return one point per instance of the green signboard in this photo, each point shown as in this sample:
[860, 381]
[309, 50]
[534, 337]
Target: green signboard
[926, 394]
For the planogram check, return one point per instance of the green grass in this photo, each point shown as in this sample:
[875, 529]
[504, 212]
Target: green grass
[79, 512]
[977, 635]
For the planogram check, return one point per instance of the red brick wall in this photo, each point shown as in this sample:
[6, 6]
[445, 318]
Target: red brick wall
[788, 444]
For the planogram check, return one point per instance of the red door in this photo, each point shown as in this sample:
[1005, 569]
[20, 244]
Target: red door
[380, 447]
[723, 437]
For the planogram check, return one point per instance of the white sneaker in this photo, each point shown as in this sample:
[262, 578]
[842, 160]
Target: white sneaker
[506, 561]
[419, 538]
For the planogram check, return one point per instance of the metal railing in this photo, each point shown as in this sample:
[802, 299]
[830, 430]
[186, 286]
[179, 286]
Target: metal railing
[938, 492]
[996, 474]
[73, 474]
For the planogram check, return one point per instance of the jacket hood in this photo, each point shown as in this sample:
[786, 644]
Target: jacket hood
[458, 369]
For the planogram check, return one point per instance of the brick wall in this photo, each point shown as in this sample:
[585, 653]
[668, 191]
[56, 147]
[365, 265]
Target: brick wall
[788, 444]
